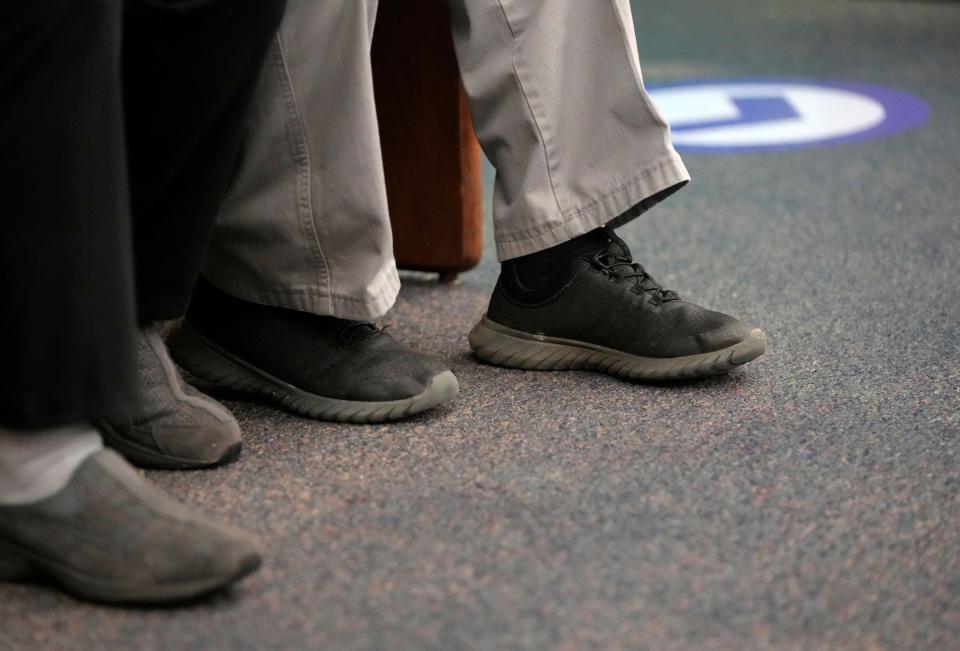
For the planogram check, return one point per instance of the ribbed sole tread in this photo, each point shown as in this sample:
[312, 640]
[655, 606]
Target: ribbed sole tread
[502, 346]
[215, 366]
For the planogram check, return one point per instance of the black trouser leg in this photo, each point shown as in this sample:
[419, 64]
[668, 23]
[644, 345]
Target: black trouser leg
[65, 258]
[65, 251]
[189, 70]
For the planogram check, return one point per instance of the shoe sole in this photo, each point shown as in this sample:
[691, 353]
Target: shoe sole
[144, 457]
[213, 364]
[20, 564]
[503, 346]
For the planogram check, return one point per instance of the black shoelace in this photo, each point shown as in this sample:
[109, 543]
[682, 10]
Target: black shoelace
[621, 267]
[357, 331]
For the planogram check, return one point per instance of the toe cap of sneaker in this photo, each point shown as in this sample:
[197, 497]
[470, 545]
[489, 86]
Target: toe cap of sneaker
[396, 378]
[729, 334]
[208, 442]
[719, 332]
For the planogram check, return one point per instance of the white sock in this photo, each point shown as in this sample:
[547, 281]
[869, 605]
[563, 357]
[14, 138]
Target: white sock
[35, 464]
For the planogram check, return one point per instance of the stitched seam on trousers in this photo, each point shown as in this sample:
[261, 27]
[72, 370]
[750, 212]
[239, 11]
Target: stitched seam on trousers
[386, 281]
[526, 99]
[310, 294]
[306, 301]
[659, 166]
[301, 153]
[573, 225]
[383, 279]
[526, 234]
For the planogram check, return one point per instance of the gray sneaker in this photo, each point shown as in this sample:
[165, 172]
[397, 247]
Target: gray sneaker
[179, 427]
[110, 536]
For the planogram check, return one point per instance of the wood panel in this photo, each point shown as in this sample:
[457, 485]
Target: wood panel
[430, 152]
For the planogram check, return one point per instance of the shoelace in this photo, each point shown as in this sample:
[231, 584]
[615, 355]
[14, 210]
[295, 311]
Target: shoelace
[623, 267]
[357, 330]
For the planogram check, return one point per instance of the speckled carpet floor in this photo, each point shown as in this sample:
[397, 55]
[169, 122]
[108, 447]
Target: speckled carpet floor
[808, 501]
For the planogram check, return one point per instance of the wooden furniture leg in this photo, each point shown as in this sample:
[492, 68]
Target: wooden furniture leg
[430, 152]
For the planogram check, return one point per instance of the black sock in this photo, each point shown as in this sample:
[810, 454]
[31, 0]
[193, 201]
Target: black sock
[537, 269]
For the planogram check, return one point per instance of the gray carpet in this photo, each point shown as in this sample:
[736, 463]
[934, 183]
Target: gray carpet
[810, 500]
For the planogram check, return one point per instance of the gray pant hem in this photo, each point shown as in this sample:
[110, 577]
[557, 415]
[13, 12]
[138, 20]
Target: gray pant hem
[378, 298]
[594, 212]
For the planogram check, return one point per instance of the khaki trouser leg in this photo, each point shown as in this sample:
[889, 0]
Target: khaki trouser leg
[559, 105]
[560, 109]
[306, 225]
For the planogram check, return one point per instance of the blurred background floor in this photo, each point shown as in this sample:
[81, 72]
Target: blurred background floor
[810, 500]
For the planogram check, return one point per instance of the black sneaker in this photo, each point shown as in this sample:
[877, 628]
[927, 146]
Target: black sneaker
[601, 311]
[314, 366]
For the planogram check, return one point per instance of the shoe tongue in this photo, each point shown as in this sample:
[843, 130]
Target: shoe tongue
[357, 330]
[616, 245]
[600, 239]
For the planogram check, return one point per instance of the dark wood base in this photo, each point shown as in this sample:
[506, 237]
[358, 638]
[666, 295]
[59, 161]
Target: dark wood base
[430, 152]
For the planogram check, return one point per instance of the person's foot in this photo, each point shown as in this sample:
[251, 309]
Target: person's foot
[110, 536]
[589, 306]
[314, 366]
[178, 427]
